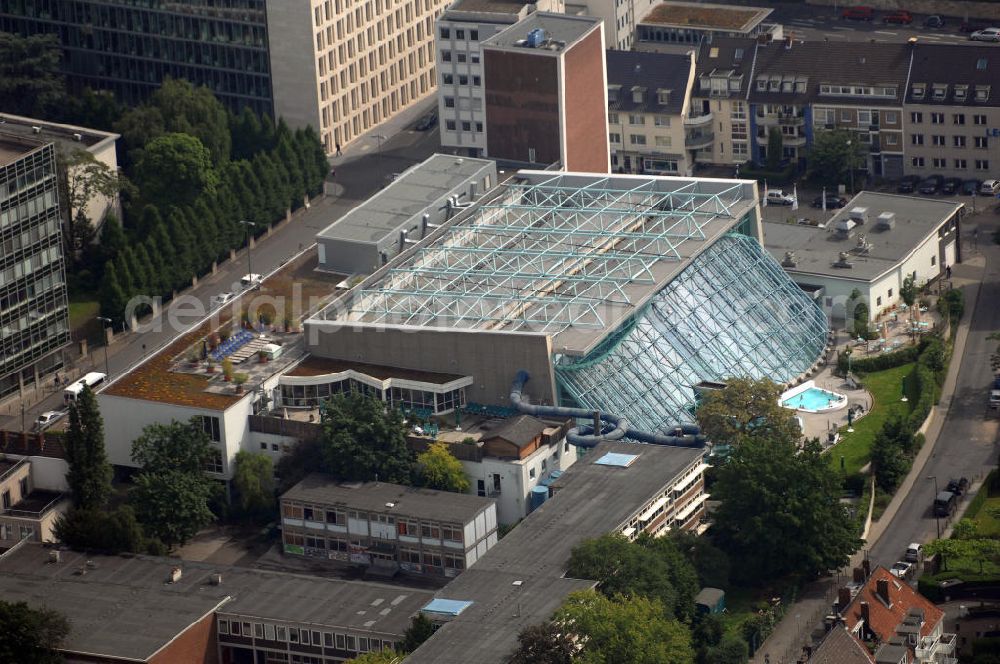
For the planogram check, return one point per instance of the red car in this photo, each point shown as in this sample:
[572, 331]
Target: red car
[902, 17]
[859, 13]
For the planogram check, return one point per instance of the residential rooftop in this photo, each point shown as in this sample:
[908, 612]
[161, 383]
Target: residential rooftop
[532, 256]
[387, 498]
[521, 580]
[489, 6]
[706, 16]
[124, 606]
[560, 31]
[728, 57]
[66, 137]
[816, 250]
[662, 79]
[965, 76]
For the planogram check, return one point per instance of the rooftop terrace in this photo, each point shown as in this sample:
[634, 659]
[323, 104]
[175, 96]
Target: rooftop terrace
[706, 16]
[66, 137]
[560, 31]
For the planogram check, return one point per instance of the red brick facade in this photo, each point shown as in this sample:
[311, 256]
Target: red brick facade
[195, 645]
[522, 106]
[586, 109]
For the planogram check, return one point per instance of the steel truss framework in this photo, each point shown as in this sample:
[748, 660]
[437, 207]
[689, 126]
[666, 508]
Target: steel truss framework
[732, 312]
[548, 255]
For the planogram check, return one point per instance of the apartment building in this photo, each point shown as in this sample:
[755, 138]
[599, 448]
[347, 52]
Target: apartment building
[649, 101]
[34, 319]
[460, 31]
[952, 114]
[719, 99]
[800, 88]
[541, 106]
[387, 527]
[131, 47]
[27, 510]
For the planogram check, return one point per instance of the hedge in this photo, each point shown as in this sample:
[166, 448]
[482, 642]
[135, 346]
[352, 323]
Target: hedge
[880, 362]
[783, 176]
[976, 504]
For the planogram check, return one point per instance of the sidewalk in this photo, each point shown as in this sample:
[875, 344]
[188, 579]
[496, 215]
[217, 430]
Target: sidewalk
[784, 645]
[368, 144]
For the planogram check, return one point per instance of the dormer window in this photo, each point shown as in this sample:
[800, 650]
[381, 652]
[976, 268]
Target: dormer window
[704, 83]
[800, 86]
[961, 92]
[918, 90]
[761, 85]
[982, 93]
[774, 85]
[940, 91]
[663, 97]
[786, 86]
[613, 93]
[637, 94]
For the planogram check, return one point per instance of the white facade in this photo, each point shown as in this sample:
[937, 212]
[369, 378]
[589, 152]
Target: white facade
[510, 481]
[620, 18]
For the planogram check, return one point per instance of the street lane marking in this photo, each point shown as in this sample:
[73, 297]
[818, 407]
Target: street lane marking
[837, 27]
[883, 32]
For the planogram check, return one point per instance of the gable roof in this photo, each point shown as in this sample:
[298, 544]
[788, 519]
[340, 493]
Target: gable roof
[841, 63]
[652, 71]
[955, 65]
[519, 430]
[724, 55]
[885, 619]
[841, 647]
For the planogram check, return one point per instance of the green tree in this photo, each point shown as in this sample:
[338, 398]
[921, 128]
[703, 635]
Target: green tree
[274, 189]
[174, 169]
[89, 474]
[544, 644]
[149, 218]
[98, 109]
[312, 146]
[379, 657]
[780, 511]
[99, 530]
[745, 409]
[246, 133]
[732, 649]
[253, 482]
[83, 178]
[775, 148]
[185, 252]
[30, 635]
[833, 155]
[113, 238]
[152, 284]
[908, 291]
[196, 111]
[889, 462]
[304, 458]
[965, 529]
[162, 245]
[438, 469]
[172, 493]
[141, 278]
[362, 441]
[710, 562]
[112, 295]
[862, 324]
[420, 630]
[624, 629]
[30, 82]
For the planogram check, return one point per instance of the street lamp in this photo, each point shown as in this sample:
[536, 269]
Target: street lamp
[107, 371]
[936, 517]
[247, 225]
[379, 138]
[850, 162]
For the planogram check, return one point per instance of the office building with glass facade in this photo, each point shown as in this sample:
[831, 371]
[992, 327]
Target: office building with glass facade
[614, 293]
[34, 319]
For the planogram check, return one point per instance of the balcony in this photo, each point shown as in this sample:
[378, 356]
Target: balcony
[35, 505]
[699, 119]
[792, 120]
[697, 140]
[787, 141]
[936, 650]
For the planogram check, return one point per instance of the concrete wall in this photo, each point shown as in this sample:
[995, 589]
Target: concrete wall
[585, 109]
[293, 63]
[492, 359]
[987, 10]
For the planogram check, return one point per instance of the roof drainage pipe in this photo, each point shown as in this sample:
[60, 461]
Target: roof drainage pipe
[685, 435]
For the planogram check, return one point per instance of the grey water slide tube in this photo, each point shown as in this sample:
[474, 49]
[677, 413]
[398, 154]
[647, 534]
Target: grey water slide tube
[583, 435]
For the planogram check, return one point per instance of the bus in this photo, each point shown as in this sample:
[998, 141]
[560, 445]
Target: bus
[92, 379]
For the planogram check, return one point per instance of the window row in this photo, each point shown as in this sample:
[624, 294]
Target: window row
[404, 525]
[959, 164]
[287, 634]
[460, 33]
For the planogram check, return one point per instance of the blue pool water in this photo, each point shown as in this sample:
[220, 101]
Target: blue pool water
[813, 399]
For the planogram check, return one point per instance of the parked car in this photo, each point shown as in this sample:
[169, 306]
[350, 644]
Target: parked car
[902, 17]
[970, 26]
[950, 186]
[945, 503]
[778, 197]
[47, 419]
[901, 569]
[959, 486]
[913, 552]
[220, 299]
[427, 122]
[986, 34]
[832, 202]
[252, 279]
[859, 13]
[989, 187]
[971, 187]
[908, 184]
[934, 21]
[931, 185]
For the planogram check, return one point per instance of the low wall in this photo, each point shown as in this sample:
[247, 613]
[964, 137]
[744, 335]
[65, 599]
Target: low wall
[963, 10]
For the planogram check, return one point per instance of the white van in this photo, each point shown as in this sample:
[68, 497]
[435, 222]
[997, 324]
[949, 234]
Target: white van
[251, 279]
[91, 380]
[989, 187]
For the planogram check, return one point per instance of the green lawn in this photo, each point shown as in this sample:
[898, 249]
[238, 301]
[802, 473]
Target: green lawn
[989, 525]
[82, 312]
[885, 388]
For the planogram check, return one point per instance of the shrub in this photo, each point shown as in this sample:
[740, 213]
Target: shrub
[879, 362]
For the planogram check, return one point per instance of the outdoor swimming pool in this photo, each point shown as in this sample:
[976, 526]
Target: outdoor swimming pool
[811, 399]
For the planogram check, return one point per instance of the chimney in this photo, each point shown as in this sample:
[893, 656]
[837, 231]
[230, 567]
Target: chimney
[175, 575]
[843, 598]
[866, 615]
[882, 590]
[866, 565]
[858, 575]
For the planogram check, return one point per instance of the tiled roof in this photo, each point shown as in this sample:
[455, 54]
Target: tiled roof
[840, 647]
[840, 63]
[652, 71]
[519, 430]
[955, 65]
[884, 619]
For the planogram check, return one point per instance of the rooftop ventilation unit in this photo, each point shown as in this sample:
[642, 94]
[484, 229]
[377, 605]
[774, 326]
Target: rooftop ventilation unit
[789, 259]
[886, 221]
[844, 228]
[863, 246]
[859, 215]
[536, 38]
[77, 137]
[843, 262]
[37, 129]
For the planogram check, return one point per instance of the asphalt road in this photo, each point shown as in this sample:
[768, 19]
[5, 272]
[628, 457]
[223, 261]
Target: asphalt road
[965, 447]
[359, 173]
[818, 23]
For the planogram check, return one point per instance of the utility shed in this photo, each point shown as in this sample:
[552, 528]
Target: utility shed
[406, 211]
[710, 600]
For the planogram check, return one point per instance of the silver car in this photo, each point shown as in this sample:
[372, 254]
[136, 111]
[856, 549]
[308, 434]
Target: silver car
[987, 34]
